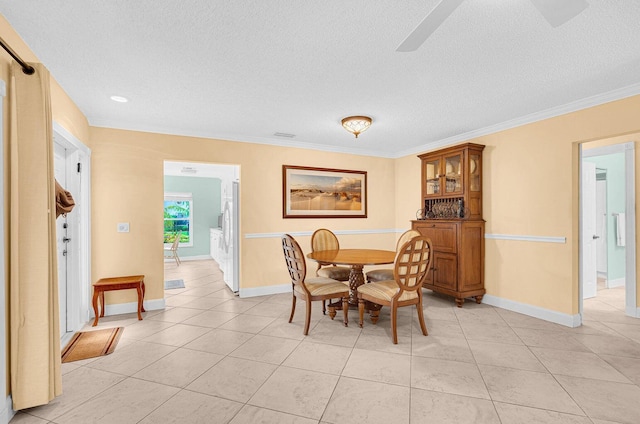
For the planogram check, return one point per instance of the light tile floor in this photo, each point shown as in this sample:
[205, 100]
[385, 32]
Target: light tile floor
[211, 357]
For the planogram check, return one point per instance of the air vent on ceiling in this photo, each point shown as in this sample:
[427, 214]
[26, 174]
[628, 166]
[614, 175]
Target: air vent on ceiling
[286, 135]
[188, 170]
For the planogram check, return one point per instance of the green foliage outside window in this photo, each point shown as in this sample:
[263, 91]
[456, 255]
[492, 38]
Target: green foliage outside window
[177, 219]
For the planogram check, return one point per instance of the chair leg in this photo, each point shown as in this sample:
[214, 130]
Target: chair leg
[345, 310]
[394, 323]
[293, 308]
[324, 306]
[307, 318]
[360, 312]
[421, 319]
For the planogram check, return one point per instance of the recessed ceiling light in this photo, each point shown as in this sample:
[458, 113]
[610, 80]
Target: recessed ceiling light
[119, 99]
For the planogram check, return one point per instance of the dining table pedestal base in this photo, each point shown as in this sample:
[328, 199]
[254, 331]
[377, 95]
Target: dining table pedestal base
[356, 279]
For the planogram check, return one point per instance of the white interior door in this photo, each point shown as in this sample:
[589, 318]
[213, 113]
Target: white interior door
[60, 166]
[73, 159]
[589, 236]
[601, 226]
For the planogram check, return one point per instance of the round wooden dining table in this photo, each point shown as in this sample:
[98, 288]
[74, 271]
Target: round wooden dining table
[356, 259]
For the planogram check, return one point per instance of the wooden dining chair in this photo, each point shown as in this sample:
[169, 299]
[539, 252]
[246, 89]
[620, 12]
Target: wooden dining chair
[323, 239]
[310, 289]
[410, 270]
[387, 273]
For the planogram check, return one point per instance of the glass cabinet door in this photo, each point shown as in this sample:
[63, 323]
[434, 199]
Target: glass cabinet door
[474, 173]
[432, 176]
[453, 174]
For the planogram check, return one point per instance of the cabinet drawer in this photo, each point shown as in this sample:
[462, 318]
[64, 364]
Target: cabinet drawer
[443, 235]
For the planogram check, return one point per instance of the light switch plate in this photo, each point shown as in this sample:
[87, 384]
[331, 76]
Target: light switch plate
[123, 227]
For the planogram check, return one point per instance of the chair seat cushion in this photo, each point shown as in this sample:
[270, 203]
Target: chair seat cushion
[320, 286]
[385, 290]
[380, 275]
[340, 273]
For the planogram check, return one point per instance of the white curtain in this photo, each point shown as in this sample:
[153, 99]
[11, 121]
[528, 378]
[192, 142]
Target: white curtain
[34, 317]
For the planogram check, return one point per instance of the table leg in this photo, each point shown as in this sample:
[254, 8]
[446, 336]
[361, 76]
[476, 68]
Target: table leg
[356, 279]
[104, 305]
[94, 301]
[140, 296]
[143, 292]
[374, 311]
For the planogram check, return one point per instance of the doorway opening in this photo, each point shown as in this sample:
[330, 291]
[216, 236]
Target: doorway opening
[202, 206]
[607, 231]
[72, 171]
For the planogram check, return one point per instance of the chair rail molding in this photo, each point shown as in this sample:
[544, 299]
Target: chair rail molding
[518, 237]
[337, 232]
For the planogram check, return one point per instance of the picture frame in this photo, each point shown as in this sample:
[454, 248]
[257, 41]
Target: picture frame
[323, 192]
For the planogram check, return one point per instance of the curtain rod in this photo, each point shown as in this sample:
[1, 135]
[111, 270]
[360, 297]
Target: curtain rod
[26, 68]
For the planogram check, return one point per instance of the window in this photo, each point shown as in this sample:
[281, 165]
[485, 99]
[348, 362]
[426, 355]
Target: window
[178, 218]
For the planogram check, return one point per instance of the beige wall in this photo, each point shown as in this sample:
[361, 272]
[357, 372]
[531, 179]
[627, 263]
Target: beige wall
[531, 188]
[127, 186]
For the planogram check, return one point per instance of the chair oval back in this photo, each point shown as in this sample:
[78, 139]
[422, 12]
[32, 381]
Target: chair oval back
[323, 239]
[413, 263]
[294, 258]
[405, 237]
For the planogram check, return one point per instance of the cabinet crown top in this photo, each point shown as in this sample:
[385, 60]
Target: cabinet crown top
[468, 146]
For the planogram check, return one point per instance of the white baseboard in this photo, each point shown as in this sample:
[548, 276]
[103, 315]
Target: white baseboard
[533, 311]
[265, 291]
[618, 282]
[131, 307]
[7, 412]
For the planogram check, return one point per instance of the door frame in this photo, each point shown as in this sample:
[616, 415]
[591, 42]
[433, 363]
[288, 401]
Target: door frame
[631, 307]
[78, 293]
[6, 405]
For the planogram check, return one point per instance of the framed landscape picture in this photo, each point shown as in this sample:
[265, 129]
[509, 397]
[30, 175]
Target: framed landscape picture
[323, 193]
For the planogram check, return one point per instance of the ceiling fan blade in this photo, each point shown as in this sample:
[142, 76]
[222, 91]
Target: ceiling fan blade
[558, 12]
[429, 24]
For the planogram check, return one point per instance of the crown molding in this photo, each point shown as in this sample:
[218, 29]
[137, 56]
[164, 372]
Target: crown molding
[298, 144]
[587, 102]
[596, 100]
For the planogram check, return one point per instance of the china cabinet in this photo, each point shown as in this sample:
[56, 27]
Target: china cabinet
[451, 215]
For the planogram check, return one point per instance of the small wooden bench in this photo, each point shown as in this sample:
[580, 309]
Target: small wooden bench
[117, 283]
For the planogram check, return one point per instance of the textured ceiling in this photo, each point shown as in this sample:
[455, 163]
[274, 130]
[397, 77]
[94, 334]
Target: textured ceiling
[244, 70]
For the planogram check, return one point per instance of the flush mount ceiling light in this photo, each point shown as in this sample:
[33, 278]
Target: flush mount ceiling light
[356, 124]
[119, 99]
